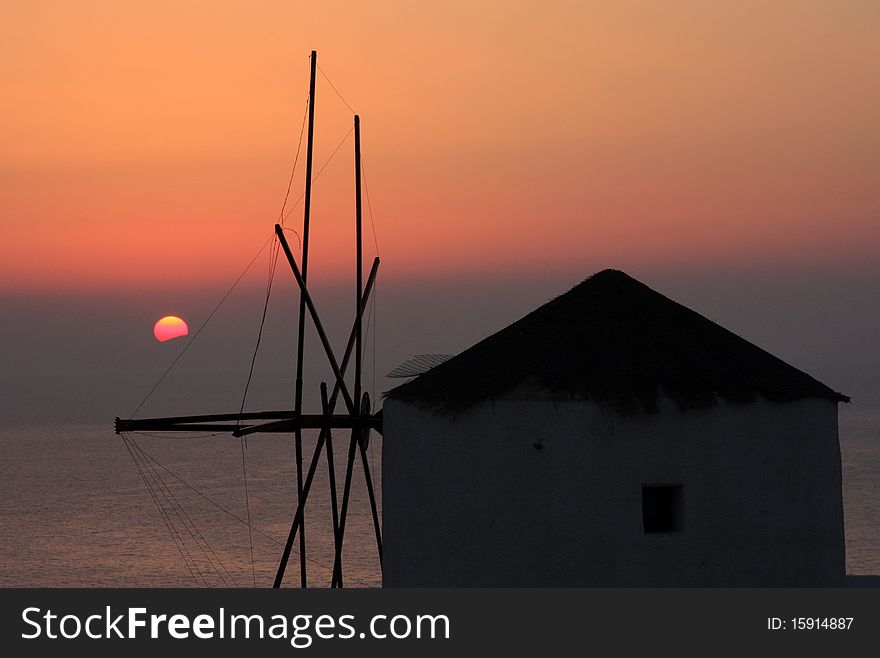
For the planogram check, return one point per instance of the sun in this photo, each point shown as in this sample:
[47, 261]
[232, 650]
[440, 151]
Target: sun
[170, 327]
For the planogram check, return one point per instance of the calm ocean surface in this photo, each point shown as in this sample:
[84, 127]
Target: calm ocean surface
[74, 510]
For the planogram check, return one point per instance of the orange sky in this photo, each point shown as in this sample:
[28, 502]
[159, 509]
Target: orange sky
[148, 144]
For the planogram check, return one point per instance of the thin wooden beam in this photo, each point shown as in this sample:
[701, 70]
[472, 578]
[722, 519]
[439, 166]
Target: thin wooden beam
[368, 289]
[377, 526]
[331, 470]
[300, 342]
[343, 513]
[297, 519]
[358, 257]
[316, 319]
[305, 421]
[356, 441]
[249, 415]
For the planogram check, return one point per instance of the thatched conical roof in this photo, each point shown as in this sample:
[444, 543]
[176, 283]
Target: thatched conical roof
[613, 340]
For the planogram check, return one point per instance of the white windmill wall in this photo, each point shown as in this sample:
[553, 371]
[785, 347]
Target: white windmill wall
[472, 501]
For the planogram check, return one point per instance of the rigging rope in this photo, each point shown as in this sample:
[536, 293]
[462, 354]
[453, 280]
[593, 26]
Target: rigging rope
[320, 171]
[208, 498]
[371, 323]
[295, 161]
[274, 263]
[176, 437]
[248, 508]
[196, 335]
[373, 313]
[174, 536]
[162, 489]
[146, 465]
[333, 87]
[188, 524]
[369, 205]
[273, 260]
[243, 441]
[225, 510]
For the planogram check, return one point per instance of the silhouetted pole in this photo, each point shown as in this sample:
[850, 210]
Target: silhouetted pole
[316, 320]
[363, 443]
[359, 440]
[356, 436]
[343, 512]
[307, 208]
[358, 257]
[331, 465]
[377, 527]
[298, 516]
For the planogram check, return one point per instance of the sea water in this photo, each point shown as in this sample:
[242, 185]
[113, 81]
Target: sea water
[75, 510]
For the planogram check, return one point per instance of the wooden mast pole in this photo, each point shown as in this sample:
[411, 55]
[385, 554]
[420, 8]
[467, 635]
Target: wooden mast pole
[307, 207]
[363, 439]
[331, 466]
[297, 519]
[358, 437]
[316, 321]
[340, 529]
[358, 258]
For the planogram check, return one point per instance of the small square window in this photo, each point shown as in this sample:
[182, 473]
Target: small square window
[662, 507]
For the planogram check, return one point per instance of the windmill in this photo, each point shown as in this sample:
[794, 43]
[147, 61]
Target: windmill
[357, 419]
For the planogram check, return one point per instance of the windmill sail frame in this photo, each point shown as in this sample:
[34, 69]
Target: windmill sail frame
[358, 417]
